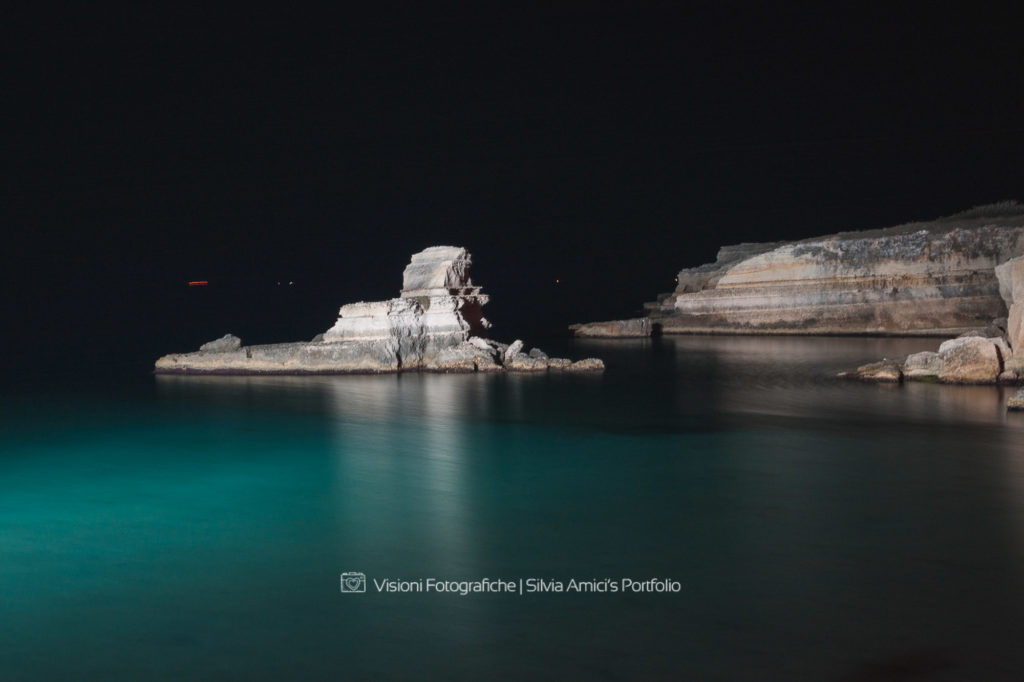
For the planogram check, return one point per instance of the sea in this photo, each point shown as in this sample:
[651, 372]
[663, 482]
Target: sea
[709, 508]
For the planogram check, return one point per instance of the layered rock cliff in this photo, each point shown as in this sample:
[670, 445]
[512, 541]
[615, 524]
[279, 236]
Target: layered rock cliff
[935, 278]
[436, 323]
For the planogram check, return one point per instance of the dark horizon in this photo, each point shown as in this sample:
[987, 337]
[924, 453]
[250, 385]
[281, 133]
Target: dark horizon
[603, 146]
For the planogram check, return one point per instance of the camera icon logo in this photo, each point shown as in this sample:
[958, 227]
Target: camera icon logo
[353, 582]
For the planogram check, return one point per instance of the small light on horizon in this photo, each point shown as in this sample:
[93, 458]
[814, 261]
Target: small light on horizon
[198, 283]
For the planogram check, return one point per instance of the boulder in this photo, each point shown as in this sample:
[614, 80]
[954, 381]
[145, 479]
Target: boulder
[524, 363]
[926, 364]
[636, 327]
[538, 354]
[482, 344]
[461, 358]
[559, 363]
[971, 360]
[228, 342]
[513, 350]
[586, 365]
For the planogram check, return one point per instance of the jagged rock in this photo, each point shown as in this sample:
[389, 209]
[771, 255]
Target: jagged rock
[434, 324]
[971, 360]
[883, 370]
[461, 358]
[483, 344]
[524, 363]
[586, 365]
[559, 363]
[486, 363]
[318, 338]
[640, 326]
[538, 354]
[228, 342]
[1016, 401]
[926, 364]
[513, 350]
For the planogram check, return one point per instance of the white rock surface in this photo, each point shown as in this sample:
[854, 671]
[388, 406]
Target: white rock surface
[435, 324]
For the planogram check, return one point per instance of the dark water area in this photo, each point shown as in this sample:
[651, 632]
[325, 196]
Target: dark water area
[166, 528]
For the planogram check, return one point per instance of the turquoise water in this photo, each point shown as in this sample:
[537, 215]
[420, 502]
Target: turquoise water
[167, 528]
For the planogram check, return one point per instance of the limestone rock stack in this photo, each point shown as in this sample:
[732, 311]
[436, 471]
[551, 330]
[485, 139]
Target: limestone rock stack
[436, 323]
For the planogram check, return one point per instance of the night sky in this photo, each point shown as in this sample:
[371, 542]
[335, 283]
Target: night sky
[602, 144]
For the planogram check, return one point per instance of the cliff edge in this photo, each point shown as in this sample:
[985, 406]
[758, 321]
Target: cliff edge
[932, 278]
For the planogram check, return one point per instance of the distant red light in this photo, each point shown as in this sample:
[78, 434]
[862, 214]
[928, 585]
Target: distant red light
[198, 283]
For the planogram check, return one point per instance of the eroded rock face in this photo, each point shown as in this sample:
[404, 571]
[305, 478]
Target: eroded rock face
[970, 360]
[936, 278]
[435, 325]
[640, 326]
[1011, 287]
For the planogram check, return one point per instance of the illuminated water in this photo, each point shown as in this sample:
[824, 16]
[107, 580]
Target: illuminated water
[187, 528]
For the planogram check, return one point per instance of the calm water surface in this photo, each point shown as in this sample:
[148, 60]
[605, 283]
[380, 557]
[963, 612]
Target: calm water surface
[171, 528]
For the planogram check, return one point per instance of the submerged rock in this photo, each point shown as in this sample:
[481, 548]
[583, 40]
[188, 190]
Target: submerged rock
[586, 365]
[636, 327]
[435, 324]
[883, 371]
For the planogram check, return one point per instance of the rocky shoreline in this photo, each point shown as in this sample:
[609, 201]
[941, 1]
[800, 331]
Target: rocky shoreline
[932, 278]
[990, 355]
[436, 325]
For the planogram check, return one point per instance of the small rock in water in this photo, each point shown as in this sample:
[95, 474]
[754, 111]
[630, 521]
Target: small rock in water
[524, 363]
[884, 370]
[587, 365]
[1016, 401]
[537, 354]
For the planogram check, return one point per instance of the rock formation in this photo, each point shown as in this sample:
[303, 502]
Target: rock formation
[637, 327]
[435, 324]
[986, 355]
[933, 279]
